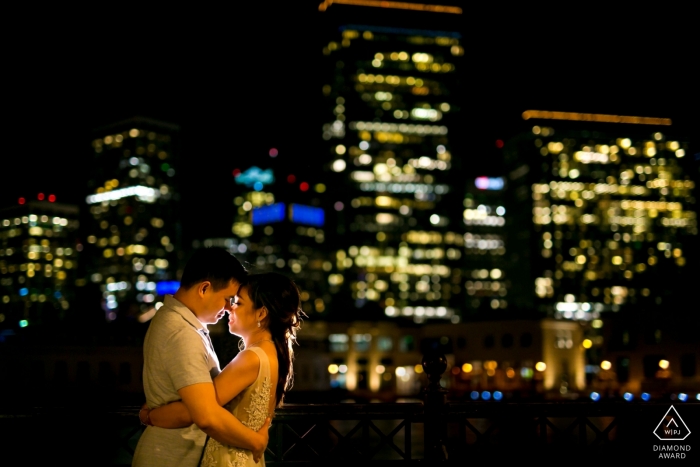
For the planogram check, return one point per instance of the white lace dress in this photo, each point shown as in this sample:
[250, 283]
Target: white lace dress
[251, 408]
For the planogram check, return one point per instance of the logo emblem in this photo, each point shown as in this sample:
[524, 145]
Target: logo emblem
[671, 427]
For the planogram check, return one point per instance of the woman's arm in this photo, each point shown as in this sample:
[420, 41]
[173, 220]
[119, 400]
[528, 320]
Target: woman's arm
[172, 415]
[240, 373]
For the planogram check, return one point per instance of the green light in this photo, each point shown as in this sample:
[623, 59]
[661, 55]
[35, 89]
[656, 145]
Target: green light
[165, 166]
[24, 323]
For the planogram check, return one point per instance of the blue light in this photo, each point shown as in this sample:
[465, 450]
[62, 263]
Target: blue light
[254, 175]
[167, 287]
[23, 291]
[474, 395]
[309, 215]
[697, 396]
[683, 397]
[257, 186]
[645, 396]
[595, 396]
[628, 396]
[486, 395]
[497, 395]
[268, 214]
[57, 294]
[24, 323]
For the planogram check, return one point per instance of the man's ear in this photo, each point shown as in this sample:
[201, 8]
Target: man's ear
[203, 288]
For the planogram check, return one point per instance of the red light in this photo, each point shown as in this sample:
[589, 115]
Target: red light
[40, 197]
[291, 178]
[499, 143]
[482, 183]
[22, 200]
[303, 186]
[273, 152]
[236, 172]
[52, 198]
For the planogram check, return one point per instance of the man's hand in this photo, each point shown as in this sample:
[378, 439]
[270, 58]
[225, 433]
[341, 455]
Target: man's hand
[264, 433]
[144, 415]
[220, 424]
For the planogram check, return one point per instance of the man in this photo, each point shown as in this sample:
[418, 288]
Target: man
[180, 363]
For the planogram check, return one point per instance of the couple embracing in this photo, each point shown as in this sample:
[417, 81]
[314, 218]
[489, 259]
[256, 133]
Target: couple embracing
[196, 413]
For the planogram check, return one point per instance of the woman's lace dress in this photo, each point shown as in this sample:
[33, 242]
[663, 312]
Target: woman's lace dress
[251, 408]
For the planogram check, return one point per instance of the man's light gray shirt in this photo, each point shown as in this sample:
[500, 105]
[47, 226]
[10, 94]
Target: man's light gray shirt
[177, 352]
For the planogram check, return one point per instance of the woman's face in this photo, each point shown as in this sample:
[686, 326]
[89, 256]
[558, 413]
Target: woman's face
[242, 318]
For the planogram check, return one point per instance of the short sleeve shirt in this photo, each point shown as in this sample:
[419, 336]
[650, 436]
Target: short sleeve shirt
[177, 353]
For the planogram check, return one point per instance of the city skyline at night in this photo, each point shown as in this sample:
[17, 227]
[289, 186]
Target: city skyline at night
[53, 119]
[522, 209]
[491, 217]
[215, 150]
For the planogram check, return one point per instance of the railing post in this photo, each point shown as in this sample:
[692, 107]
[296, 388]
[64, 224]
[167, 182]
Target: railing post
[435, 429]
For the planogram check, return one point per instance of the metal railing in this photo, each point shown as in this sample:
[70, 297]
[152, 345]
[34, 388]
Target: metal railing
[430, 432]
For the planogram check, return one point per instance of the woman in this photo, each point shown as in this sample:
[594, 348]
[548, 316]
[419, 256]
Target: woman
[266, 315]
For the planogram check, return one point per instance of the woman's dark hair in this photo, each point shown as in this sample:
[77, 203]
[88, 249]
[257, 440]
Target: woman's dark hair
[280, 295]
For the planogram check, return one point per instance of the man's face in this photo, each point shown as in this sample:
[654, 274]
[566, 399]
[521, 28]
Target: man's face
[215, 303]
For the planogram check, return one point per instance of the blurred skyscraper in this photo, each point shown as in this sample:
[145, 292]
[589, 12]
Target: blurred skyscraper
[391, 99]
[603, 223]
[484, 216]
[603, 213]
[38, 263]
[133, 226]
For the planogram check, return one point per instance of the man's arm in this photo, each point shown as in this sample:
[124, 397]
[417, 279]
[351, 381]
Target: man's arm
[172, 415]
[218, 422]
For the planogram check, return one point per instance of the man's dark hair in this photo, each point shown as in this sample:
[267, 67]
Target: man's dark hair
[212, 264]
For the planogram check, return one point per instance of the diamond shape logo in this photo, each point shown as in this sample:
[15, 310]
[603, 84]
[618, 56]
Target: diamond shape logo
[671, 427]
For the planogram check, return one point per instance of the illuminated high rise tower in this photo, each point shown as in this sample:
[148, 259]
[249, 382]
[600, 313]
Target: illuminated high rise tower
[392, 97]
[603, 209]
[133, 233]
[487, 285]
[38, 262]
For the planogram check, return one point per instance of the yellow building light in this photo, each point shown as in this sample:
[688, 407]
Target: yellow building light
[540, 366]
[587, 343]
[587, 117]
[664, 364]
[605, 365]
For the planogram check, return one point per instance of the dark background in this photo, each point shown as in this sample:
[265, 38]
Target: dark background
[241, 80]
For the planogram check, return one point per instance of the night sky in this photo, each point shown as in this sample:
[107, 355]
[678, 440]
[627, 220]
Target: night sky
[243, 81]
